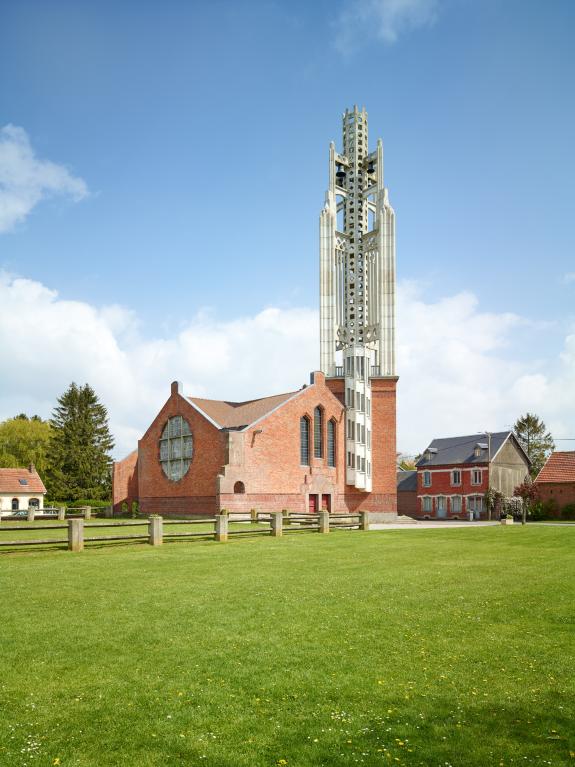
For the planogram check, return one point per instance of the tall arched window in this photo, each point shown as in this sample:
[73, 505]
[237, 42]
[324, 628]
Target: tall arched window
[318, 432]
[15, 504]
[331, 443]
[304, 440]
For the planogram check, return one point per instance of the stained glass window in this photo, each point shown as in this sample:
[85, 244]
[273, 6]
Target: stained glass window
[176, 448]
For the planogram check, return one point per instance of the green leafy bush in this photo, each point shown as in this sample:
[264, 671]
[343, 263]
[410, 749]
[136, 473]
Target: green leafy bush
[568, 511]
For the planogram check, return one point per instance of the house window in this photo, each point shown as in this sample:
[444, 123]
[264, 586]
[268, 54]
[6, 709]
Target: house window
[33, 503]
[176, 448]
[441, 503]
[476, 477]
[456, 477]
[304, 440]
[427, 504]
[318, 432]
[456, 504]
[15, 504]
[426, 479]
[331, 443]
[239, 487]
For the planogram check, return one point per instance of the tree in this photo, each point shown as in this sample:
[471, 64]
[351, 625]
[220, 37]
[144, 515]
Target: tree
[80, 447]
[493, 501]
[534, 438]
[529, 494]
[24, 441]
[405, 461]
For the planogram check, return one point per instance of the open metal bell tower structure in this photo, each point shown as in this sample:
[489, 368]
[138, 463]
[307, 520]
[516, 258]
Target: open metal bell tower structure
[357, 285]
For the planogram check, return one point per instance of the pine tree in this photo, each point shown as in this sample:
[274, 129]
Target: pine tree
[80, 447]
[534, 438]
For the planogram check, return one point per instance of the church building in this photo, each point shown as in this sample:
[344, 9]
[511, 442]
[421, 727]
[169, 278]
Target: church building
[329, 445]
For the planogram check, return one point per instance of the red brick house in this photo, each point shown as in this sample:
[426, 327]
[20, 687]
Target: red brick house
[556, 480]
[281, 452]
[454, 473]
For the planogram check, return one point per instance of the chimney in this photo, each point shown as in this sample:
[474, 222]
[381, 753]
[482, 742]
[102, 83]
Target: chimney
[176, 387]
[32, 469]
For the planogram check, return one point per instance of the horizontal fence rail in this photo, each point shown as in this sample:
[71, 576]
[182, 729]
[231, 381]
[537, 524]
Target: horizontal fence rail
[274, 523]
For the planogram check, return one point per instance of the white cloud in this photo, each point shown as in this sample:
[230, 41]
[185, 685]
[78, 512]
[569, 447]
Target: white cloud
[456, 363]
[25, 180]
[385, 20]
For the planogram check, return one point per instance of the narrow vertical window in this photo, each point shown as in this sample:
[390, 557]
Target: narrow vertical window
[304, 440]
[331, 443]
[318, 432]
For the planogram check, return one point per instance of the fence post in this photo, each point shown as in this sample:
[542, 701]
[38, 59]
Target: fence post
[277, 518]
[30, 514]
[324, 522]
[88, 512]
[62, 513]
[221, 527]
[364, 520]
[155, 531]
[285, 514]
[109, 512]
[254, 515]
[75, 535]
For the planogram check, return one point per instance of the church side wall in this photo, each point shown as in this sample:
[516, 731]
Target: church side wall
[125, 482]
[195, 493]
[271, 472]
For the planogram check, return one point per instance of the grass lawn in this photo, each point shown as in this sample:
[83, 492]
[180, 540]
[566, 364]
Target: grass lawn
[430, 647]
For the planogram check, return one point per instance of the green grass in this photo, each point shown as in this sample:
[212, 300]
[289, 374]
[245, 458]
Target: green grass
[431, 647]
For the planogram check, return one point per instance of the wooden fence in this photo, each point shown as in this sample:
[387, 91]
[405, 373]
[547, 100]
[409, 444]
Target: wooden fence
[160, 529]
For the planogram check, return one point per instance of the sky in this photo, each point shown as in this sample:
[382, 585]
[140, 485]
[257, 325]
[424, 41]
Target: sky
[162, 170]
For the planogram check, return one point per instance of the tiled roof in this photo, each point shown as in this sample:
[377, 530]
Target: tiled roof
[456, 450]
[406, 481]
[559, 467]
[10, 481]
[236, 415]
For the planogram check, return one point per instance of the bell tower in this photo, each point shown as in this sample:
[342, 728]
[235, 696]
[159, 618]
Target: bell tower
[357, 290]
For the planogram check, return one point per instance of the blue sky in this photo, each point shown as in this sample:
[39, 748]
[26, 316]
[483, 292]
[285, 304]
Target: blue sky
[200, 133]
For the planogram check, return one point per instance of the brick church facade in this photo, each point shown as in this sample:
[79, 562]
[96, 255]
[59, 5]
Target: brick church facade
[280, 452]
[329, 445]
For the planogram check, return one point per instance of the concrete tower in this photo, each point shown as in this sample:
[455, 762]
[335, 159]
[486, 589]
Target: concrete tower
[357, 287]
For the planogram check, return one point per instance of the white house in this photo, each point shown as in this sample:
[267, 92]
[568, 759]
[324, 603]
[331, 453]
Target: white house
[20, 489]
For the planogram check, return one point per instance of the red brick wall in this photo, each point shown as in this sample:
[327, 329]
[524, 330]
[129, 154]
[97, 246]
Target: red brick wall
[125, 482]
[562, 492]
[441, 485]
[195, 492]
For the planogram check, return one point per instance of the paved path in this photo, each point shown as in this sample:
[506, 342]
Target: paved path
[421, 525]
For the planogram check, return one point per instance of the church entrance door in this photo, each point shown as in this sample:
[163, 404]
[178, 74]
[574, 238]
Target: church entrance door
[312, 503]
[326, 502]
